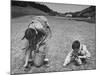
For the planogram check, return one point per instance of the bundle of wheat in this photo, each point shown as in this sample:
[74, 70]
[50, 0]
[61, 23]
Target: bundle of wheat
[39, 59]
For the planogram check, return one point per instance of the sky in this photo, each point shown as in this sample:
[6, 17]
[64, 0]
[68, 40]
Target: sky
[62, 8]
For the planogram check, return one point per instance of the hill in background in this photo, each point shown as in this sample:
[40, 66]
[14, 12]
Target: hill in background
[89, 13]
[21, 8]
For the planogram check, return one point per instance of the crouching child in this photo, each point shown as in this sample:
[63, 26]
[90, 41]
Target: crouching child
[78, 55]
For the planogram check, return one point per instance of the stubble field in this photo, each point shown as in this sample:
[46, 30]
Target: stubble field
[64, 32]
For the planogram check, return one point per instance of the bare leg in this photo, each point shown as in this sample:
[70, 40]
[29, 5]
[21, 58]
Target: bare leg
[27, 58]
[30, 57]
[78, 60]
[67, 60]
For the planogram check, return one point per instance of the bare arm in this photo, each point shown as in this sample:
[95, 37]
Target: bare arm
[86, 55]
[86, 52]
[47, 36]
[67, 59]
[49, 32]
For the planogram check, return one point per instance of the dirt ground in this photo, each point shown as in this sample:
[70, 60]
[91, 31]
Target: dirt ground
[64, 32]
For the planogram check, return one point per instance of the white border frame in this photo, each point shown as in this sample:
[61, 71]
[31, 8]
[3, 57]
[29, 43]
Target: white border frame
[5, 37]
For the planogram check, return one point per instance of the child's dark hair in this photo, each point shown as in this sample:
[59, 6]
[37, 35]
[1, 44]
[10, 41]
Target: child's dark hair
[76, 45]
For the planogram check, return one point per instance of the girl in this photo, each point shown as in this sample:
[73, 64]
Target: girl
[37, 34]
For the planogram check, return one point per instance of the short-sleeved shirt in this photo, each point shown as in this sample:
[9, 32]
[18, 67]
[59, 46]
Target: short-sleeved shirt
[82, 52]
[39, 22]
[36, 24]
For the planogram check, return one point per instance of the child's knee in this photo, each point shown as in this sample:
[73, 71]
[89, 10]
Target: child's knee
[78, 61]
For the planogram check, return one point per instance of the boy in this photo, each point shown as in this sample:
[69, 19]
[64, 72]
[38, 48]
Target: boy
[79, 54]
